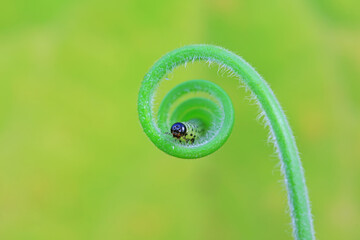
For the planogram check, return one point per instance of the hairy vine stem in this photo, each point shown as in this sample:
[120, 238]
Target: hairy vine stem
[218, 117]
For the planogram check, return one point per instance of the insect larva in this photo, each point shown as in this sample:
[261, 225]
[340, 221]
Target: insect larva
[186, 132]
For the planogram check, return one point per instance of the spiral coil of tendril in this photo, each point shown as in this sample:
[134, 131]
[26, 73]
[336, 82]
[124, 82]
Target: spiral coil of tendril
[218, 117]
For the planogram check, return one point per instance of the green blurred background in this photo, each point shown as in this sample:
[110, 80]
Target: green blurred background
[75, 164]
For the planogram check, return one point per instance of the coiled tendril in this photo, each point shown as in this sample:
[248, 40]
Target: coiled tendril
[217, 116]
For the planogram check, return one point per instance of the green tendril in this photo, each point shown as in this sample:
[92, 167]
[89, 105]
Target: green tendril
[215, 112]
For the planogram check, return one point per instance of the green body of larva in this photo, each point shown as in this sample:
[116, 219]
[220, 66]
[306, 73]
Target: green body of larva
[187, 132]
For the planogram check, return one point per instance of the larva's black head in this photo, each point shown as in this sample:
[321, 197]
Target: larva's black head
[178, 130]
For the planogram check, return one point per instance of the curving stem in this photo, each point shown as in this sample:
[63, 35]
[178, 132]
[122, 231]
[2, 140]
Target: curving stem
[274, 115]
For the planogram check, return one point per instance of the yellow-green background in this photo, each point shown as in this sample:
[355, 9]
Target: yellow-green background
[75, 164]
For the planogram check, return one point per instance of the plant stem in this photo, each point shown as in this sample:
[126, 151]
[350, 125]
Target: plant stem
[274, 115]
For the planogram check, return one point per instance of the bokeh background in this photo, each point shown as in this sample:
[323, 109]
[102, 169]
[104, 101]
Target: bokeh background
[75, 164]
